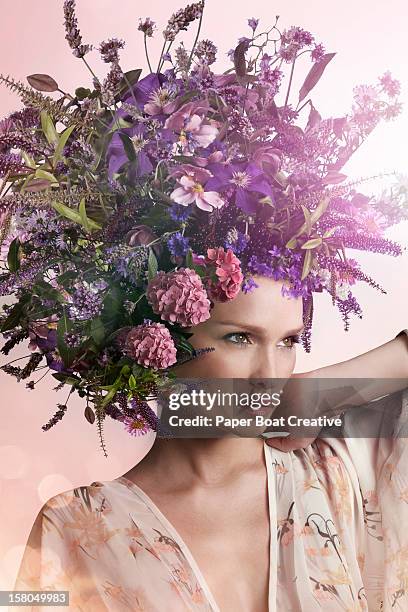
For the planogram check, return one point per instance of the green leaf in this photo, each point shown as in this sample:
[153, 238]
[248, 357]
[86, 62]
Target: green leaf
[76, 216]
[329, 232]
[189, 259]
[69, 380]
[307, 264]
[47, 176]
[62, 141]
[314, 216]
[128, 146]
[311, 244]
[16, 314]
[66, 211]
[112, 306]
[132, 382]
[46, 290]
[137, 370]
[28, 160]
[82, 93]
[291, 244]
[109, 396]
[63, 279]
[88, 223]
[320, 209]
[129, 78]
[152, 264]
[239, 59]
[314, 75]
[308, 219]
[67, 353]
[97, 331]
[48, 128]
[13, 257]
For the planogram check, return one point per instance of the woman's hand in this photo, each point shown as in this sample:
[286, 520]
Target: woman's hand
[382, 370]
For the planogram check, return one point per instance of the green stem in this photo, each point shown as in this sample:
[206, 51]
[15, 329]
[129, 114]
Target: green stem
[195, 41]
[290, 80]
[161, 55]
[147, 53]
[168, 49]
[90, 69]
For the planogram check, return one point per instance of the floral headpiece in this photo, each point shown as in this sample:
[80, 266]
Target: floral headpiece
[131, 206]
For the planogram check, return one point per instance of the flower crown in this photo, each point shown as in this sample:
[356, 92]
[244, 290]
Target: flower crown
[130, 207]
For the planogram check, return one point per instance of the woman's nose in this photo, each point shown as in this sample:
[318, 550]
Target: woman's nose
[265, 365]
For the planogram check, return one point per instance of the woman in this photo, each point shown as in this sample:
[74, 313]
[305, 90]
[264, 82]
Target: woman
[231, 523]
[185, 203]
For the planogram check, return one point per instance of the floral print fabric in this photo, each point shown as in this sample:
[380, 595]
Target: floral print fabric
[338, 519]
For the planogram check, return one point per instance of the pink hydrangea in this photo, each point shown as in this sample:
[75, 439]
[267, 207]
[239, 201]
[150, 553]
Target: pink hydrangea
[228, 271]
[179, 297]
[151, 346]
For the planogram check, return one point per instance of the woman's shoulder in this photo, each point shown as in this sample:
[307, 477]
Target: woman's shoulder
[94, 496]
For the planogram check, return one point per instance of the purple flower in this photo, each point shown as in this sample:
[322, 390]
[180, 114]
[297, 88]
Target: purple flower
[117, 156]
[317, 53]
[237, 241]
[73, 34]
[109, 50]
[147, 26]
[86, 303]
[182, 18]
[191, 180]
[180, 213]
[247, 180]
[249, 285]
[54, 361]
[136, 426]
[10, 163]
[253, 23]
[390, 86]
[178, 245]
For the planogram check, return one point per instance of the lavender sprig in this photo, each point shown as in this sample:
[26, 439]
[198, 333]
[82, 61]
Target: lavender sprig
[73, 35]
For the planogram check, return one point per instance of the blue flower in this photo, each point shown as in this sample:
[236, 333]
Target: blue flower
[178, 245]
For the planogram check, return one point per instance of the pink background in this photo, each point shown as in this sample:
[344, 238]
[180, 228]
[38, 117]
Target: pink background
[369, 38]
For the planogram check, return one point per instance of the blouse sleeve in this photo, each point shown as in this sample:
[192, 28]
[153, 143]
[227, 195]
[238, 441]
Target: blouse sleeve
[51, 559]
[379, 464]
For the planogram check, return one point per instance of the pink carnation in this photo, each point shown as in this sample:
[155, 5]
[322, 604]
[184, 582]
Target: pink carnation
[179, 297]
[228, 270]
[151, 346]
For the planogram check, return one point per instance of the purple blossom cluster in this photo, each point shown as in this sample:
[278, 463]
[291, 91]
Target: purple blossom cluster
[86, 302]
[73, 35]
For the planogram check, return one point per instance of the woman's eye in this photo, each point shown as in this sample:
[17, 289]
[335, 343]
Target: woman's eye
[240, 335]
[293, 340]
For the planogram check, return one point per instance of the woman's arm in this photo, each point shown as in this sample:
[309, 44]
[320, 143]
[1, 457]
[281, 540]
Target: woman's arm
[367, 377]
[386, 366]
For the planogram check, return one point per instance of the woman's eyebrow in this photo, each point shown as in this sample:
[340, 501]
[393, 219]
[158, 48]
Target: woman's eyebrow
[256, 329]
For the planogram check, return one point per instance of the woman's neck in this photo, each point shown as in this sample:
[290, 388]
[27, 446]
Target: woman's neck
[205, 462]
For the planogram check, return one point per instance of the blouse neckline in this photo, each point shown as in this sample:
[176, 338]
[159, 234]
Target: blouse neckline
[187, 552]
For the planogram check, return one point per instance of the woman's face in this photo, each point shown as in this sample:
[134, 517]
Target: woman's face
[253, 336]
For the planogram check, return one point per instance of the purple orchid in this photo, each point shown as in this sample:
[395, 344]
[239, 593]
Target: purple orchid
[247, 180]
